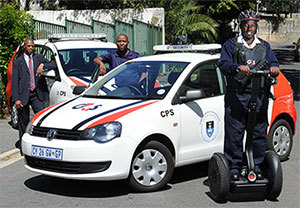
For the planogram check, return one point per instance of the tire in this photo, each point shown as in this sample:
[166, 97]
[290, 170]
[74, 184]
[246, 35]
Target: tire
[273, 172]
[280, 139]
[14, 117]
[219, 177]
[152, 168]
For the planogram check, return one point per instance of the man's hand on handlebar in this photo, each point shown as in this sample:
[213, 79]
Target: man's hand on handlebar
[274, 70]
[244, 68]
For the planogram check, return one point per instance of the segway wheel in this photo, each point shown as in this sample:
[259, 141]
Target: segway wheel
[219, 177]
[273, 171]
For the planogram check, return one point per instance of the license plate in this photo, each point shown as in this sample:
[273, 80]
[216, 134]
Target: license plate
[46, 152]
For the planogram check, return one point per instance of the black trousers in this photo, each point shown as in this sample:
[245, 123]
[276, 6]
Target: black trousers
[24, 113]
[236, 115]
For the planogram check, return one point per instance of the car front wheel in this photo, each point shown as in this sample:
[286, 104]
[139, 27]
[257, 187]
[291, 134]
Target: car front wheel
[280, 139]
[152, 167]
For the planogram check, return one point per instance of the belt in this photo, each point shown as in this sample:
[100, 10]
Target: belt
[32, 93]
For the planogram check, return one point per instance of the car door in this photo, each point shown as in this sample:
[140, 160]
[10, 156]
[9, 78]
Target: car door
[202, 122]
[51, 76]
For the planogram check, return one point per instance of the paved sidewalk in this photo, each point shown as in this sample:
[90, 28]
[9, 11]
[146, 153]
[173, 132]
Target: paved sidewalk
[8, 136]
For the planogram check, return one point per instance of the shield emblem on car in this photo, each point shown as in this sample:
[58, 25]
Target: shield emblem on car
[209, 128]
[51, 134]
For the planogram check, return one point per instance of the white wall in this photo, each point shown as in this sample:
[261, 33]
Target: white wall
[151, 15]
[287, 32]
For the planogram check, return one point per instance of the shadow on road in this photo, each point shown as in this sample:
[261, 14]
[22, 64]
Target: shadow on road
[77, 188]
[103, 189]
[190, 172]
[242, 197]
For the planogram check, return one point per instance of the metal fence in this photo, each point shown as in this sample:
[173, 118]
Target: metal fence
[45, 28]
[142, 36]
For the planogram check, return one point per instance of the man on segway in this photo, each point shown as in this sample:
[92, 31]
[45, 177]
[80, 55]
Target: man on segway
[238, 56]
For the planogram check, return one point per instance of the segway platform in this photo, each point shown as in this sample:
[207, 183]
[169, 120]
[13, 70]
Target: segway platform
[244, 186]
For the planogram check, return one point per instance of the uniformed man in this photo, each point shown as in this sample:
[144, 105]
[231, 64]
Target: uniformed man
[238, 56]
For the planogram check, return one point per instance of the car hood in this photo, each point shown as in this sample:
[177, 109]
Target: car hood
[82, 113]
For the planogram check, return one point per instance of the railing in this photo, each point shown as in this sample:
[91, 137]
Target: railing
[43, 29]
[77, 27]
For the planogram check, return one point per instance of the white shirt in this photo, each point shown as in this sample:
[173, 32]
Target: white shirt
[26, 57]
[241, 39]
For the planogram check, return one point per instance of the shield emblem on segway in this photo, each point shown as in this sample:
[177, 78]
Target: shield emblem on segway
[209, 128]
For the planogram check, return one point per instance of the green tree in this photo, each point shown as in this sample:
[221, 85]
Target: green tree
[223, 12]
[186, 20]
[15, 27]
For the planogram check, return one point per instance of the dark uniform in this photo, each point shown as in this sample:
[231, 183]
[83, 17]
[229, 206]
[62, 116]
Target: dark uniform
[236, 52]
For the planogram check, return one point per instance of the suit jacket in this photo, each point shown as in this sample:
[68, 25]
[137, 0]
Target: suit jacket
[21, 79]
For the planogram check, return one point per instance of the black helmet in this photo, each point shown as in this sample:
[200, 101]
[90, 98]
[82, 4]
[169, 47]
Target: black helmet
[248, 14]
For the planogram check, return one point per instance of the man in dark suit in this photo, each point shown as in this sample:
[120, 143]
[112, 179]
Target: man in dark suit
[29, 88]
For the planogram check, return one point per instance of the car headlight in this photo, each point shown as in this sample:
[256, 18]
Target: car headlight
[29, 127]
[103, 133]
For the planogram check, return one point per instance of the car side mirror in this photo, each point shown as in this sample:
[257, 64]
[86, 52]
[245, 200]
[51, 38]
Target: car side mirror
[79, 89]
[192, 94]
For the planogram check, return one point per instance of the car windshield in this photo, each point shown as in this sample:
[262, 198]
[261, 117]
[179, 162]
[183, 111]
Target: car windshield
[138, 80]
[80, 62]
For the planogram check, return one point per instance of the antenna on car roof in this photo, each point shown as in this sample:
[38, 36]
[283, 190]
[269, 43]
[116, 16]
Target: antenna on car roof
[78, 36]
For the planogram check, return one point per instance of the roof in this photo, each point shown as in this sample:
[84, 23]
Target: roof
[191, 47]
[77, 44]
[181, 57]
[74, 44]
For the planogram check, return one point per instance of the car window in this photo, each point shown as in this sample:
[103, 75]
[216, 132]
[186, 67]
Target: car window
[45, 51]
[207, 77]
[80, 62]
[138, 80]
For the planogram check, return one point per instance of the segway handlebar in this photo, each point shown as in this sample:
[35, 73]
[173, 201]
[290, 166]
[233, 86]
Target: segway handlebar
[260, 72]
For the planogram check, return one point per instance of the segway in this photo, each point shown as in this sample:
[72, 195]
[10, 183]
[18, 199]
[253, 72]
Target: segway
[219, 176]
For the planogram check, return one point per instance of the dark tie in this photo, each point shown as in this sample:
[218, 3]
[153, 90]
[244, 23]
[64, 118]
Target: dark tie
[32, 83]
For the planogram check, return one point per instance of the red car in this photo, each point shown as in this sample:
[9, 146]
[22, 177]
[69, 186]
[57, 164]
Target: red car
[283, 119]
[12, 108]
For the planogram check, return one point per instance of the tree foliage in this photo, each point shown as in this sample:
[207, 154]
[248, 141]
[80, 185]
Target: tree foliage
[186, 20]
[15, 27]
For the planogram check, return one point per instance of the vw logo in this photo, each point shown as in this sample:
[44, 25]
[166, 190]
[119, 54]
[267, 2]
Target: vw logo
[51, 134]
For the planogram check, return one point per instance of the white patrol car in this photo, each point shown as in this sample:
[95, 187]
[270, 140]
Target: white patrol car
[73, 54]
[139, 121]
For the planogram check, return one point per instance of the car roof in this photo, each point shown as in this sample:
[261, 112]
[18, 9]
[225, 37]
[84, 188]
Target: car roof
[191, 47]
[181, 57]
[77, 44]
[198, 48]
